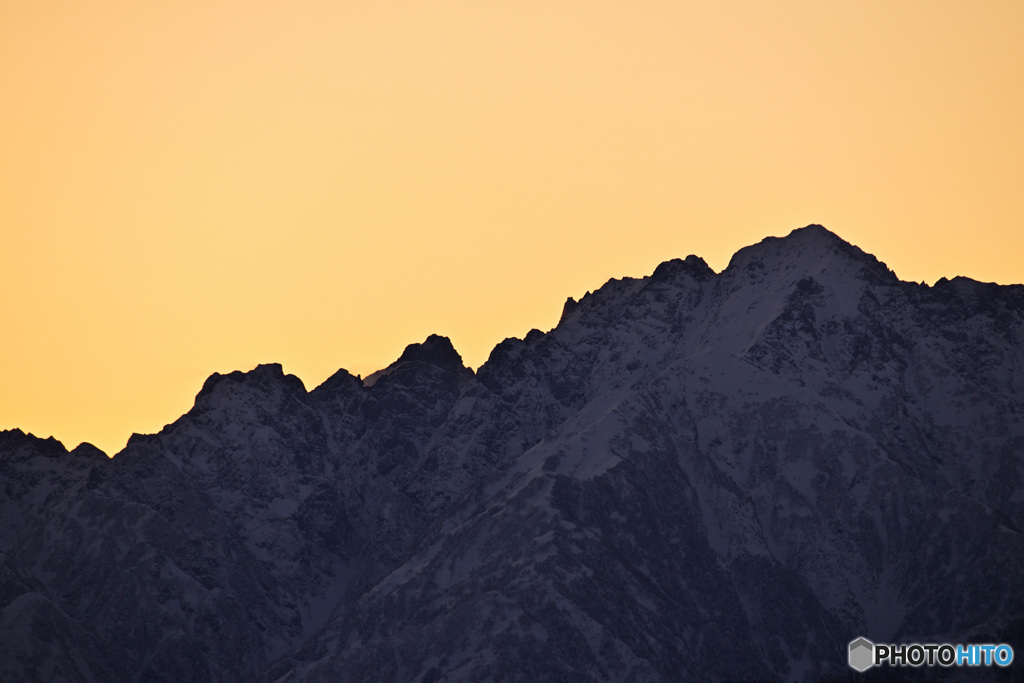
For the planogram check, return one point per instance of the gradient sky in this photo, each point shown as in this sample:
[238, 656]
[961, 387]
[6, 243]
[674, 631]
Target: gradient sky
[191, 187]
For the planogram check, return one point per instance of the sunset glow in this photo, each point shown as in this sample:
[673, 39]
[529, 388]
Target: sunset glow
[194, 187]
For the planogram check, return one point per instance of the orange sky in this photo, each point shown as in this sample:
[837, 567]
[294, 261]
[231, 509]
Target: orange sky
[193, 187]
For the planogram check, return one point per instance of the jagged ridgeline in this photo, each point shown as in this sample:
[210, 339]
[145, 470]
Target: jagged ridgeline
[694, 476]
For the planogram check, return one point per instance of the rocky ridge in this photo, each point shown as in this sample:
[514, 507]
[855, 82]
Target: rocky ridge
[694, 475]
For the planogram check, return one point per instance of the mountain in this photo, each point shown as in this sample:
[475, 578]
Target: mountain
[693, 476]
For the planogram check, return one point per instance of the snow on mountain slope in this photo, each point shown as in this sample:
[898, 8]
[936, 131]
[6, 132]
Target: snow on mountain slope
[693, 476]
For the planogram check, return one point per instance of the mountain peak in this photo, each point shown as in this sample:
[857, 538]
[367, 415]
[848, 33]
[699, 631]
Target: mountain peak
[435, 350]
[264, 375]
[692, 265]
[16, 438]
[810, 240]
[805, 251]
[816, 231]
[87, 450]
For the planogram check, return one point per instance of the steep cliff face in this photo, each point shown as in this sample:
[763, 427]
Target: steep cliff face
[693, 476]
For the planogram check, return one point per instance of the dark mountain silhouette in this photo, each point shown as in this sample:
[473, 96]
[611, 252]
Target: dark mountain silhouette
[694, 476]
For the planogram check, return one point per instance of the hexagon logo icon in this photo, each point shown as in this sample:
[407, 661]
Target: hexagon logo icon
[862, 654]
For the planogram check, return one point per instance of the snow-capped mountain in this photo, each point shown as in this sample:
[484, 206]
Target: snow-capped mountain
[693, 476]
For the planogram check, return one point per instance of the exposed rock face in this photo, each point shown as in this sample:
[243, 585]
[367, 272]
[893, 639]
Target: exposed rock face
[694, 476]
